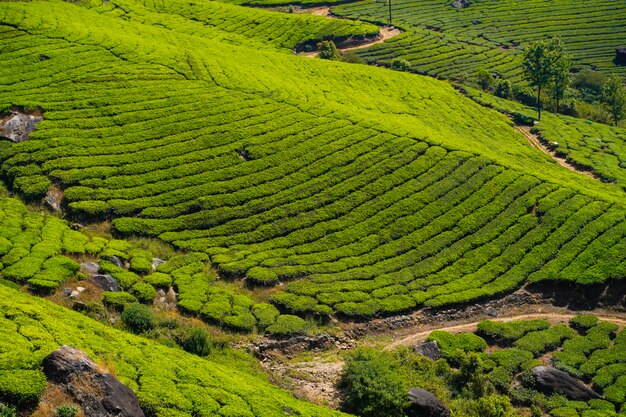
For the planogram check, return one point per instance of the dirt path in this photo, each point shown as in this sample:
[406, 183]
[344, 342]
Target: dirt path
[536, 143]
[470, 327]
[316, 11]
[386, 32]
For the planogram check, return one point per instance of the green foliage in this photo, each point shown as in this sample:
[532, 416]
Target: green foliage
[144, 292]
[7, 411]
[66, 410]
[399, 64]
[371, 385]
[506, 332]
[328, 50]
[541, 341]
[614, 97]
[138, 318]
[454, 346]
[287, 325]
[265, 313]
[494, 406]
[261, 276]
[504, 88]
[158, 280]
[197, 341]
[22, 387]
[583, 322]
[118, 299]
[485, 79]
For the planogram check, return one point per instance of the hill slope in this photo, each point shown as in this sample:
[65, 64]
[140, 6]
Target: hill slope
[385, 191]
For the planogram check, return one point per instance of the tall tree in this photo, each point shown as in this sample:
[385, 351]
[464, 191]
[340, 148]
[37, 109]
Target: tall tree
[538, 68]
[614, 96]
[561, 66]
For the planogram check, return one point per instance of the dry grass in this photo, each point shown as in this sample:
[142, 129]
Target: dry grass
[52, 398]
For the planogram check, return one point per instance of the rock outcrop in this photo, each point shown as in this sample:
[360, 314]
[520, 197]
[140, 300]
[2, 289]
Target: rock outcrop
[98, 393]
[428, 349]
[107, 282]
[18, 126]
[460, 4]
[550, 380]
[425, 404]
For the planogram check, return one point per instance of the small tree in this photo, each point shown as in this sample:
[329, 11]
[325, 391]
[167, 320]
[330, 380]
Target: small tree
[485, 79]
[561, 66]
[328, 50]
[614, 97]
[138, 318]
[538, 68]
[399, 64]
[504, 88]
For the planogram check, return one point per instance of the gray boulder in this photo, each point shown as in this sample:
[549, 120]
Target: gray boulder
[89, 268]
[156, 262]
[98, 393]
[460, 4]
[550, 380]
[54, 199]
[428, 349]
[115, 260]
[19, 126]
[425, 404]
[620, 56]
[107, 282]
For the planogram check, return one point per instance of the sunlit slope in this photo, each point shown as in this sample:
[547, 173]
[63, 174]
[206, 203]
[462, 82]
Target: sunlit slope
[455, 43]
[169, 382]
[383, 191]
[234, 24]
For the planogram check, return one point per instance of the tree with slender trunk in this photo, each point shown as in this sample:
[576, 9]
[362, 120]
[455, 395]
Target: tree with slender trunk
[614, 97]
[538, 68]
[561, 66]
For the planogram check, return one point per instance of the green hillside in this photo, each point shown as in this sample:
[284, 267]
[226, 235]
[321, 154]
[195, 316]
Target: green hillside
[446, 42]
[375, 191]
[168, 382]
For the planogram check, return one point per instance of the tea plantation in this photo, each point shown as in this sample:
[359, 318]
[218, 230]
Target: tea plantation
[168, 382]
[371, 191]
[444, 41]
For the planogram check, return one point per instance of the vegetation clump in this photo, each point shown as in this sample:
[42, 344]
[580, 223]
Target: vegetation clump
[138, 318]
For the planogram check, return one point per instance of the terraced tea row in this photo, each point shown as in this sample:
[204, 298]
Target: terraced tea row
[377, 191]
[446, 42]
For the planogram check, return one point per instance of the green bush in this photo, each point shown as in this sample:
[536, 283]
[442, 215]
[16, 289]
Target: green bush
[7, 411]
[544, 340]
[507, 332]
[197, 341]
[494, 406]
[371, 385]
[144, 292]
[399, 64]
[583, 322]
[328, 50]
[22, 388]
[118, 299]
[158, 280]
[66, 410]
[261, 276]
[286, 325]
[454, 346]
[265, 313]
[138, 318]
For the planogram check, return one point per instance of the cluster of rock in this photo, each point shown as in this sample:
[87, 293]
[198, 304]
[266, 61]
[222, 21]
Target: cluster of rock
[460, 4]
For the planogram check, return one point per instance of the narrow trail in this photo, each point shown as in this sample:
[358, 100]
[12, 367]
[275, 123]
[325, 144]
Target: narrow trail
[386, 32]
[536, 143]
[470, 327]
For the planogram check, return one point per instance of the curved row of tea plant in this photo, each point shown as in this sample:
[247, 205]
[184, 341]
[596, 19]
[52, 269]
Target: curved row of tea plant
[381, 191]
[454, 43]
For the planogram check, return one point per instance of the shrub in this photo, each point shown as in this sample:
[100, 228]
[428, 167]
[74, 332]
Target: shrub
[399, 64]
[504, 88]
[485, 79]
[158, 279]
[494, 406]
[261, 276]
[286, 325]
[66, 410]
[371, 385]
[144, 292]
[583, 322]
[197, 341]
[328, 50]
[544, 340]
[22, 387]
[7, 411]
[138, 318]
[265, 313]
[453, 346]
[118, 299]
[510, 331]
